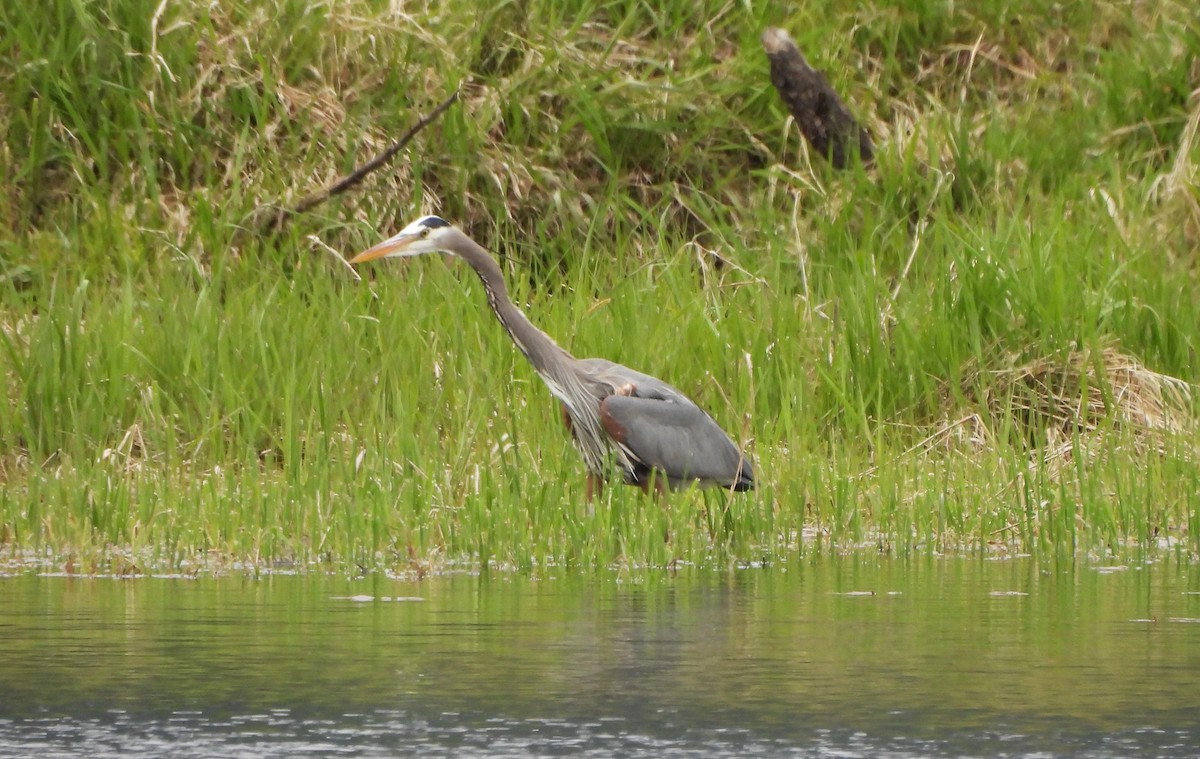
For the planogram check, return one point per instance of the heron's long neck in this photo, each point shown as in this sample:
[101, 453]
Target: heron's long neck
[546, 356]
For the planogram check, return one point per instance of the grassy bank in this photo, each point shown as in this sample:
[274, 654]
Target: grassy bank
[984, 342]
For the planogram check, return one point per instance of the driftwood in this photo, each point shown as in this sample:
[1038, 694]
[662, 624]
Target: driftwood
[823, 118]
[274, 218]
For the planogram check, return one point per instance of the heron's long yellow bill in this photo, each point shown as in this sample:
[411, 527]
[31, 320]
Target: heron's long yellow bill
[388, 247]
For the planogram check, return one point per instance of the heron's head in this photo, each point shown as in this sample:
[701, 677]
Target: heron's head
[425, 235]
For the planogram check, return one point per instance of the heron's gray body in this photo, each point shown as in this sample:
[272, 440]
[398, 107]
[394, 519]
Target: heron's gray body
[653, 427]
[650, 429]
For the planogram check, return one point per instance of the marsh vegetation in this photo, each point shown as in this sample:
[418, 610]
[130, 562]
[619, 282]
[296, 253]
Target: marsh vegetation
[986, 341]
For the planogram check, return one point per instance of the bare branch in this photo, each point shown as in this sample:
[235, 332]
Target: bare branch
[274, 219]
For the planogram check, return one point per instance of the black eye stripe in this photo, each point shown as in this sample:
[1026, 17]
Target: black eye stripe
[433, 222]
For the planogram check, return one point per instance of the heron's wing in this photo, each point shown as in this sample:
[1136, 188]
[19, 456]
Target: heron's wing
[618, 375]
[676, 438]
[660, 428]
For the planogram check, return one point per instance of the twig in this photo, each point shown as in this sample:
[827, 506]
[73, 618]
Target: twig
[274, 219]
[823, 118]
[937, 437]
[886, 313]
[318, 242]
[918, 230]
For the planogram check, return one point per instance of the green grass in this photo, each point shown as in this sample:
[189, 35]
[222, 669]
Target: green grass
[183, 391]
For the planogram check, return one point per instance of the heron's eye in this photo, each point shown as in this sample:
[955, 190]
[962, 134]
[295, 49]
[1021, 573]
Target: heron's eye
[425, 232]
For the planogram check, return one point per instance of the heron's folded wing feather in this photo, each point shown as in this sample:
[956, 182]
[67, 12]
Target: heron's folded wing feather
[676, 438]
[618, 375]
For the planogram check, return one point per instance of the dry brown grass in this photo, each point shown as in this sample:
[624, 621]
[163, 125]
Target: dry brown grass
[1054, 405]
[1080, 391]
[1176, 191]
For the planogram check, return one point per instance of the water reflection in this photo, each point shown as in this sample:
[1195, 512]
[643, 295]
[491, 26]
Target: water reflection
[849, 656]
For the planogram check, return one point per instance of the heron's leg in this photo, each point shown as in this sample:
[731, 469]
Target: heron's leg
[595, 487]
[656, 481]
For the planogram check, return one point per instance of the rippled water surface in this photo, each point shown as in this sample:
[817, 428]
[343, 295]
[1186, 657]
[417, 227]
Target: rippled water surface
[843, 657]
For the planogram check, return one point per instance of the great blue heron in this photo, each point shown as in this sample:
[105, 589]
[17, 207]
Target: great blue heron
[654, 431]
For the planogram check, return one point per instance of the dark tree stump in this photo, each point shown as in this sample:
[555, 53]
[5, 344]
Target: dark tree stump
[823, 118]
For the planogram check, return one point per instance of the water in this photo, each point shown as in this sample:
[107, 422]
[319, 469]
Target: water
[842, 657]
